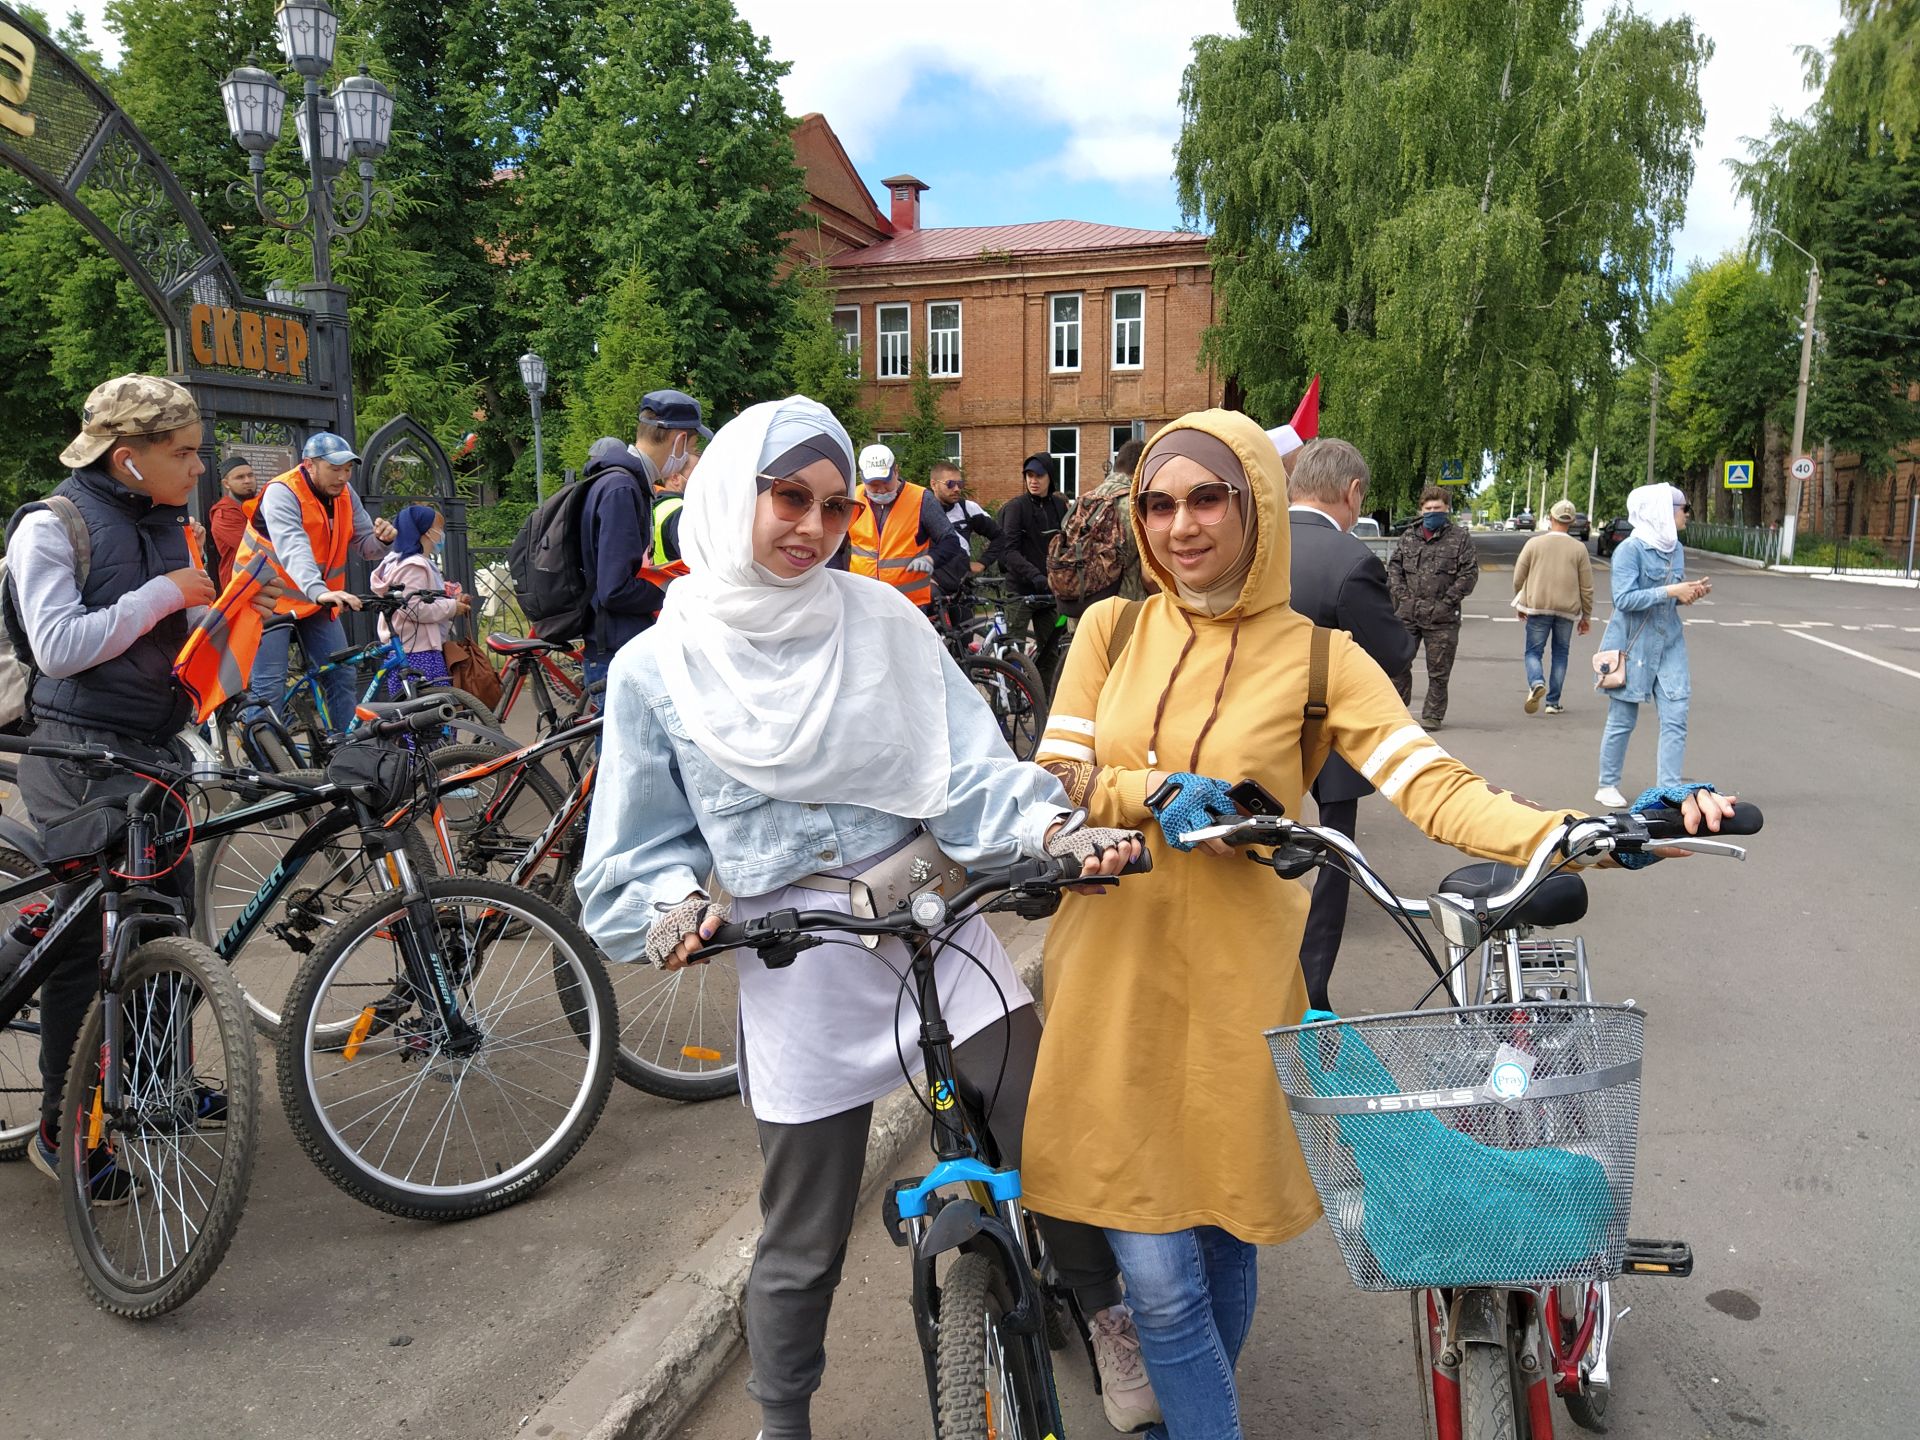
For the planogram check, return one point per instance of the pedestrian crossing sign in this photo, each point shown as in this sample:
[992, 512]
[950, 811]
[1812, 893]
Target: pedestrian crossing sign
[1739, 475]
[1453, 472]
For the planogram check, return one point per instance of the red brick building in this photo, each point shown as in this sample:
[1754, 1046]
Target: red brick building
[1058, 335]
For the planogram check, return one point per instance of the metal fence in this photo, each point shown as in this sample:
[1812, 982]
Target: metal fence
[1751, 542]
[1818, 551]
[499, 612]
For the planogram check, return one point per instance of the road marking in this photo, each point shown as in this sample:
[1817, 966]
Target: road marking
[1870, 659]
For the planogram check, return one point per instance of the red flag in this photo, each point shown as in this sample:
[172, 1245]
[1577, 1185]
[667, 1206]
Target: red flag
[1306, 419]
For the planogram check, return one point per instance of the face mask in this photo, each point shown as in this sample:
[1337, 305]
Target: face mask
[1433, 524]
[675, 462]
[885, 492]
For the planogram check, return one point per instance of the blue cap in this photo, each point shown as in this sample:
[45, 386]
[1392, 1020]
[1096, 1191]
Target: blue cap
[675, 410]
[327, 446]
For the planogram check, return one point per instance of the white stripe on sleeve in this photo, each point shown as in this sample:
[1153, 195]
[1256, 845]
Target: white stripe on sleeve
[1389, 747]
[1072, 724]
[1052, 749]
[1410, 767]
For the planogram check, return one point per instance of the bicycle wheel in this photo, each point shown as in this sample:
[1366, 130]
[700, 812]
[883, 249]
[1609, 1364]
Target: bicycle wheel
[19, 1038]
[679, 1029]
[1021, 660]
[186, 1042]
[1016, 706]
[1586, 1407]
[495, 819]
[992, 1382]
[231, 871]
[402, 1116]
[1488, 1401]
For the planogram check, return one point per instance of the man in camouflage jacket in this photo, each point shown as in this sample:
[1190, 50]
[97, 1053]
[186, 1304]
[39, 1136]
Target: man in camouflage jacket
[1431, 572]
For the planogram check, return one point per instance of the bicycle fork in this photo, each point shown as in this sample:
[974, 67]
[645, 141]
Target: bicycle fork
[422, 954]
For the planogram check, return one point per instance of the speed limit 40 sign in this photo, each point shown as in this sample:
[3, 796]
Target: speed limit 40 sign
[1802, 467]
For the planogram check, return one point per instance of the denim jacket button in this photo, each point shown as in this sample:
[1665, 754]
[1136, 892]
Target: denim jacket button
[826, 854]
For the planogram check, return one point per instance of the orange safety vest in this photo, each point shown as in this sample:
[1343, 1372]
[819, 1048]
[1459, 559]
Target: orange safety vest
[217, 660]
[329, 532]
[885, 555]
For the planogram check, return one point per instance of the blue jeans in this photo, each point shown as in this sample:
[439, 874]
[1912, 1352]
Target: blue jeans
[594, 665]
[1192, 1294]
[1539, 629]
[1621, 715]
[321, 635]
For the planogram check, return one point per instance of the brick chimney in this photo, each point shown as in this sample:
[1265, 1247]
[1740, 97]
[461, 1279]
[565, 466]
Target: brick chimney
[905, 191]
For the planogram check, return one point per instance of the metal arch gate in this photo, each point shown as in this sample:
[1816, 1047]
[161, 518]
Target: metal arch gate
[403, 465]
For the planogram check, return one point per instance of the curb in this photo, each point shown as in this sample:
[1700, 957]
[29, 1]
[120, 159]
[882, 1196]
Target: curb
[646, 1377]
[1740, 560]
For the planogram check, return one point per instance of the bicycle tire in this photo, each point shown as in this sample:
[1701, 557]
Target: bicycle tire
[1587, 1406]
[203, 992]
[313, 1057]
[1489, 1408]
[1023, 662]
[229, 872]
[1017, 708]
[990, 1382]
[20, 1086]
[699, 1004]
[490, 853]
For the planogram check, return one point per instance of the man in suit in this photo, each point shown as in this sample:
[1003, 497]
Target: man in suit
[1337, 582]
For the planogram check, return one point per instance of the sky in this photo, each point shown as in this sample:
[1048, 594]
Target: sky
[1016, 110]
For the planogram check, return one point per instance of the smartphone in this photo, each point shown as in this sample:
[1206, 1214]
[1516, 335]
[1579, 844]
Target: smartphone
[1250, 797]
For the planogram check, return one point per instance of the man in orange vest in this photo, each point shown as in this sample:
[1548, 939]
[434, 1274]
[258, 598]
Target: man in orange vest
[903, 536]
[307, 521]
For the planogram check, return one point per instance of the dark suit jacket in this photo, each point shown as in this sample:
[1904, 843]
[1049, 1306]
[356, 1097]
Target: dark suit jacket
[1340, 583]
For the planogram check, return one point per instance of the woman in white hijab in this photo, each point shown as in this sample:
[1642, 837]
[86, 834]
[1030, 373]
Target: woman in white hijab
[786, 727]
[1649, 587]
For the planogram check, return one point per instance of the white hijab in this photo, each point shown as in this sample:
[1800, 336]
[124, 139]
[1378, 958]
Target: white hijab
[827, 688]
[1651, 508]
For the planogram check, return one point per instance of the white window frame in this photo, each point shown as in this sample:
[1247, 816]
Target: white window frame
[1058, 330]
[1121, 434]
[1138, 324]
[955, 445]
[1067, 481]
[895, 345]
[853, 350]
[888, 437]
[940, 352]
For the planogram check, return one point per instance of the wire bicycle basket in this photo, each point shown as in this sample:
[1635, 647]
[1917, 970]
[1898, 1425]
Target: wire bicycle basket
[1474, 1147]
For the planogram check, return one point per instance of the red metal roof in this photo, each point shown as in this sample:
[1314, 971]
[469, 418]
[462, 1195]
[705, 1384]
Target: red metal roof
[1041, 237]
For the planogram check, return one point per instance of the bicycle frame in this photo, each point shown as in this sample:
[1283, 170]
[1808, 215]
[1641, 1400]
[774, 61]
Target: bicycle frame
[538, 669]
[576, 803]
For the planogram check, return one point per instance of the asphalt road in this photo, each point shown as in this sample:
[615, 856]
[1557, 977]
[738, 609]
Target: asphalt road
[1781, 1110]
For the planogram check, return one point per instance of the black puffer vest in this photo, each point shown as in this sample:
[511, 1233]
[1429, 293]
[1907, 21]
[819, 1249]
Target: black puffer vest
[134, 540]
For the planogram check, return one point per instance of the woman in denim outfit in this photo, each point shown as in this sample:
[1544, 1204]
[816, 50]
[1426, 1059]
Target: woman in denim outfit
[1649, 587]
[785, 726]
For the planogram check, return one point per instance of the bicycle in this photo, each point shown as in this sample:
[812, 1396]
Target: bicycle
[1481, 1156]
[541, 668]
[163, 1076]
[983, 1326]
[1009, 687]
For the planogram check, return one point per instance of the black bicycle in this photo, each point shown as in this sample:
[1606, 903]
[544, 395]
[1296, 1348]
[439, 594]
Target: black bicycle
[984, 1324]
[161, 1108]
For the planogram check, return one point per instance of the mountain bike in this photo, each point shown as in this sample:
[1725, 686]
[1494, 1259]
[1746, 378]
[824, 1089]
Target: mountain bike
[161, 1107]
[1010, 686]
[541, 670]
[1481, 1156]
[983, 1321]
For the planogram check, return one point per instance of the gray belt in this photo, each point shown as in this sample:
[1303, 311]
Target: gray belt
[891, 883]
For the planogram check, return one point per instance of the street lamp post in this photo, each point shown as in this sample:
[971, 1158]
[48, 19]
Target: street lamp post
[354, 122]
[1790, 522]
[1653, 417]
[533, 374]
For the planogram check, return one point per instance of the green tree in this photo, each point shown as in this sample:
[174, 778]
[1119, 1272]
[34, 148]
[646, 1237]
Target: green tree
[1873, 79]
[925, 439]
[1460, 291]
[814, 362]
[635, 349]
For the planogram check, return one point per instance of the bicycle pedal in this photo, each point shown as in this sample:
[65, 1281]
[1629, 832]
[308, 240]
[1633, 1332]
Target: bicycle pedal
[1671, 1258]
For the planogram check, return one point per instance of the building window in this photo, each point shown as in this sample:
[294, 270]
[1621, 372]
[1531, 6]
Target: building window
[896, 342]
[943, 339]
[1064, 445]
[953, 446]
[1129, 328]
[1120, 435]
[1066, 332]
[846, 320]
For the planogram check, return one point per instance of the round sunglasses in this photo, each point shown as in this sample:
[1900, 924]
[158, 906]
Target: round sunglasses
[792, 501]
[1207, 504]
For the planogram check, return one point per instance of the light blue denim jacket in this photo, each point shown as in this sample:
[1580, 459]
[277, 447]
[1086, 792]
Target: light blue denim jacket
[1645, 614]
[664, 814]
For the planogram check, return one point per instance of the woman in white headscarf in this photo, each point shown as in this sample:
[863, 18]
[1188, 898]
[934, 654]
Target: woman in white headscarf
[1649, 587]
[787, 727]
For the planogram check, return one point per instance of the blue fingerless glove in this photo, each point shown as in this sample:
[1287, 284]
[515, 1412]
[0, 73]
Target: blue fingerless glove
[1202, 801]
[1658, 797]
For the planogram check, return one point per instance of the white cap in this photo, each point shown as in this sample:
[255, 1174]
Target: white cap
[876, 462]
[1286, 440]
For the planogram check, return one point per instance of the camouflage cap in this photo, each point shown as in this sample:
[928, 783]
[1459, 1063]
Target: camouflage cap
[128, 405]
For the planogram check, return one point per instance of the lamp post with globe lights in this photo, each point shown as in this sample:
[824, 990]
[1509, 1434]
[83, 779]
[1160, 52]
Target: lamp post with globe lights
[354, 122]
[533, 374]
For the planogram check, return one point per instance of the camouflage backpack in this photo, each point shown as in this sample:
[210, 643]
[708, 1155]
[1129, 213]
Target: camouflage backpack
[1087, 558]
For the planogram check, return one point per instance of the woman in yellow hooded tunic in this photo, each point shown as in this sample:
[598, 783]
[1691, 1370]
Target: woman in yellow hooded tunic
[1155, 1111]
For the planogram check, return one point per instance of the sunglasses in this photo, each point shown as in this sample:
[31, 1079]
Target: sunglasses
[1684, 509]
[792, 501]
[1206, 503]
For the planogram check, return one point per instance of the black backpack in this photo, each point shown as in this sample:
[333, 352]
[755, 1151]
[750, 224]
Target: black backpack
[549, 577]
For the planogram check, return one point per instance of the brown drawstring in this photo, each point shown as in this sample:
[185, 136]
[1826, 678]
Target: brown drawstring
[1153, 740]
[1233, 644]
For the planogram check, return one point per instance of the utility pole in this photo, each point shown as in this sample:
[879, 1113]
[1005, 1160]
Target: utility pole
[1653, 416]
[1593, 483]
[1566, 475]
[1790, 522]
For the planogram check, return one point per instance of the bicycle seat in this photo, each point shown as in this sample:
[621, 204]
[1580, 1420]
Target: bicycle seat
[1560, 900]
[522, 644]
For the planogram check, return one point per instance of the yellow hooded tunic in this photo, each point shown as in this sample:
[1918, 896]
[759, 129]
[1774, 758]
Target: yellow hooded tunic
[1155, 1106]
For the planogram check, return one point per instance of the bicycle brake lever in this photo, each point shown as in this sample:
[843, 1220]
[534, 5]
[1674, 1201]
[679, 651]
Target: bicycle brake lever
[1701, 845]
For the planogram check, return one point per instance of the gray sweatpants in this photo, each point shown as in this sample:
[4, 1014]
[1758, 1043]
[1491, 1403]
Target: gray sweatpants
[808, 1191]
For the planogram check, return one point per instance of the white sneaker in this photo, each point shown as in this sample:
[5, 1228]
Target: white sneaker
[1534, 692]
[1124, 1389]
[1610, 797]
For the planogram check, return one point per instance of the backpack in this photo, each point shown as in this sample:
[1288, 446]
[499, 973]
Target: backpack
[1086, 560]
[549, 577]
[17, 668]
